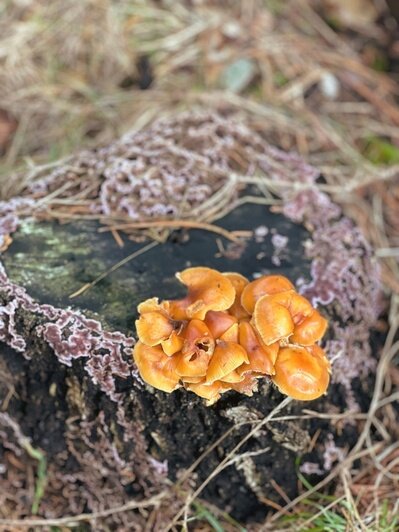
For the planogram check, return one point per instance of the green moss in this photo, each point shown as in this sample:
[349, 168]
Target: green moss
[380, 63]
[279, 79]
[53, 261]
[380, 151]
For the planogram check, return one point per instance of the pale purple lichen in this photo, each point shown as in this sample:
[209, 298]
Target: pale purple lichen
[70, 334]
[260, 233]
[332, 453]
[345, 277]
[160, 172]
[93, 473]
[279, 243]
[311, 468]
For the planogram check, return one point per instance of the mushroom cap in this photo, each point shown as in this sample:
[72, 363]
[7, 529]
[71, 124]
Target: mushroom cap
[153, 305]
[193, 380]
[192, 364]
[156, 368]
[302, 373]
[239, 282]
[276, 315]
[310, 330]
[319, 353]
[227, 357]
[261, 358]
[210, 392]
[272, 319]
[265, 285]
[248, 385]
[197, 338]
[173, 344]
[153, 327]
[208, 289]
[233, 377]
[300, 308]
[231, 335]
[219, 322]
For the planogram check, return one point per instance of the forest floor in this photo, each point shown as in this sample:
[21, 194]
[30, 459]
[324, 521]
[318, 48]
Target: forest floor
[315, 76]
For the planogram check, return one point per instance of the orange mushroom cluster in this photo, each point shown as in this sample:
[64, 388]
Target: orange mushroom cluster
[227, 333]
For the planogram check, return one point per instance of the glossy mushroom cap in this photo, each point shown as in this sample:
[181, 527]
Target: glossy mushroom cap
[173, 344]
[302, 373]
[207, 290]
[153, 305]
[153, 327]
[239, 282]
[156, 368]
[227, 357]
[310, 330]
[272, 319]
[261, 358]
[276, 316]
[219, 322]
[264, 286]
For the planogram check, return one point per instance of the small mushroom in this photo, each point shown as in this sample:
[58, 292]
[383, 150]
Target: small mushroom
[261, 358]
[239, 282]
[193, 364]
[266, 285]
[310, 330]
[272, 319]
[300, 308]
[276, 315]
[210, 392]
[173, 344]
[227, 357]
[302, 373]
[153, 305]
[233, 377]
[231, 335]
[153, 328]
[248, 385]
[207, 290]
[198, 339]
[156, 368]
[193, 380]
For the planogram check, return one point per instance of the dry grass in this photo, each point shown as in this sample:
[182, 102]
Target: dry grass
[69, 78]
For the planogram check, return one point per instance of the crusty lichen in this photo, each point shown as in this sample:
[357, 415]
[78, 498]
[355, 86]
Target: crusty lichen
[345, 276]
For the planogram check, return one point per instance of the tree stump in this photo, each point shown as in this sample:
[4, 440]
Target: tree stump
[81, 432]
